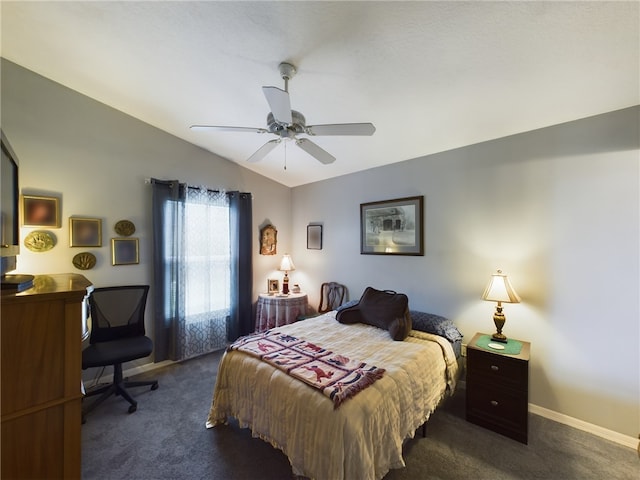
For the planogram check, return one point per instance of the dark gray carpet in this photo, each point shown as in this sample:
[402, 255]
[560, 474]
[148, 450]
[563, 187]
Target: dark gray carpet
[166, 439]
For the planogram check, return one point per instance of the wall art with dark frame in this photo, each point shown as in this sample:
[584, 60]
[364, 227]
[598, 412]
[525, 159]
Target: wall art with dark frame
[392, 227]
[314, 237]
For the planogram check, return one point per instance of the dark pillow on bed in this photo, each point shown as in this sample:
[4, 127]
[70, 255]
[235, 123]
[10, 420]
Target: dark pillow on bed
[430, 323]
[383, 309]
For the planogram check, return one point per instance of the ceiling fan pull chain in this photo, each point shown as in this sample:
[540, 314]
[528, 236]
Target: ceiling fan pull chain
[285, 155]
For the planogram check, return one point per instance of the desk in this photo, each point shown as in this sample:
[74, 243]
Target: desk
[273, 311]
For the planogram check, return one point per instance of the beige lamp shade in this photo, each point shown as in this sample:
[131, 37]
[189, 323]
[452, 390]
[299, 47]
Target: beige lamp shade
[286, 264]
[500, 290]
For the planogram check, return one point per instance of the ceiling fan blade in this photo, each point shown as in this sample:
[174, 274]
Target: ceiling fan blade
[264, 150]
[315, 151]
[341, 129]
[279, 104]
[228, 129]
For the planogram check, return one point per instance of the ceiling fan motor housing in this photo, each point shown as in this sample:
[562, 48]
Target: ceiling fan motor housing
[297, 126]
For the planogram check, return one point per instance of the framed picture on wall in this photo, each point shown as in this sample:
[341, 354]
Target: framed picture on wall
[85, 232]
[392, 227]
[268, 240]
[314, 237]
[124, 251]
[40, 211]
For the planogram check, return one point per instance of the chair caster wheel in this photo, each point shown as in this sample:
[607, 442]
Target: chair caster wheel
[133, 408]
[154, 386]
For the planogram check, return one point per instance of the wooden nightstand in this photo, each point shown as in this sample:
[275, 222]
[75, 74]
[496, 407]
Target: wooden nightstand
[498, 389]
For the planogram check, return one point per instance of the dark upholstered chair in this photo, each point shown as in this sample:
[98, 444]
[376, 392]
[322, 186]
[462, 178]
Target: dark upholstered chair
[332, 295]
[117, 336]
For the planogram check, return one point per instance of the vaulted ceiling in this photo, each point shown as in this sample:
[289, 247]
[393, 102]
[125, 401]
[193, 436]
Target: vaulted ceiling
[431, 76]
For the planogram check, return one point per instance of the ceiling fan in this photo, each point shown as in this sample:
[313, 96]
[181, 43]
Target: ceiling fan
[288, 124]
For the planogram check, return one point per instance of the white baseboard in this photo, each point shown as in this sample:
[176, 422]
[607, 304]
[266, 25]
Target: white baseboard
[147, 367]
[616, 437]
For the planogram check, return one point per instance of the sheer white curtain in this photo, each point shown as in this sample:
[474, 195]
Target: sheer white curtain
[206, 272]
[196, 271]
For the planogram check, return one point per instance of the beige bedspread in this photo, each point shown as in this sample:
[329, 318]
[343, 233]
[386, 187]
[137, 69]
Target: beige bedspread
[363, 438]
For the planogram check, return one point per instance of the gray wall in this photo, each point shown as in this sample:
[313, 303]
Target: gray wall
[97, 159]
[557, 209]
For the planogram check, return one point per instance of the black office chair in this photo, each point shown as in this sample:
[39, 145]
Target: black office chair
[117, 336]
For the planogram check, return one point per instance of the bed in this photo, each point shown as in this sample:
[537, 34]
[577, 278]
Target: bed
[363, 437]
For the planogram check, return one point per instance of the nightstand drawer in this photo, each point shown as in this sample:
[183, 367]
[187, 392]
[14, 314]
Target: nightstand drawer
[497, 369]
[502, 410]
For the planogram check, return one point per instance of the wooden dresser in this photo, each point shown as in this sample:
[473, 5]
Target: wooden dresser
[41, 353]
[498, 390]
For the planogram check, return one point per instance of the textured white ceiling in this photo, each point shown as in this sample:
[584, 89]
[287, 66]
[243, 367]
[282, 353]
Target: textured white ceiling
[431, 76]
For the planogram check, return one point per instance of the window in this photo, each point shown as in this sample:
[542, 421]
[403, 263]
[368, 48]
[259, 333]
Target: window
[202, 282]
[207, 261]
[197, 260]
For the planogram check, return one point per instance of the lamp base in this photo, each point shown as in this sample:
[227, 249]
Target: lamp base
[498, 337]
[498, 320]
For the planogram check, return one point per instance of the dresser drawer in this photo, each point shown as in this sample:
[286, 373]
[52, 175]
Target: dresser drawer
[497, 370]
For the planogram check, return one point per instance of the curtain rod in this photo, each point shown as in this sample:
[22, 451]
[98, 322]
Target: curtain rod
[149, 181]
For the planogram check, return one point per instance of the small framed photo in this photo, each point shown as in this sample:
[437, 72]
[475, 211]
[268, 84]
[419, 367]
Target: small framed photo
[85, 232]
[40, 211]
[314, 237]
[392, 227]
[124, 251]
[273, 286]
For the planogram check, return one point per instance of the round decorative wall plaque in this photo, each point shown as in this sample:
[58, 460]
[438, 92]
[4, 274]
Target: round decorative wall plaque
[39, 241]
[125, 228]
[84, 261]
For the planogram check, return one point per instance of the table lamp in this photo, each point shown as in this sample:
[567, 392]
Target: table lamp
[286, 265]
[500, 290]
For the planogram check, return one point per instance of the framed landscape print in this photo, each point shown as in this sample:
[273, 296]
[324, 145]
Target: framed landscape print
[85, 232]
[392, 227]
[40, 211]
